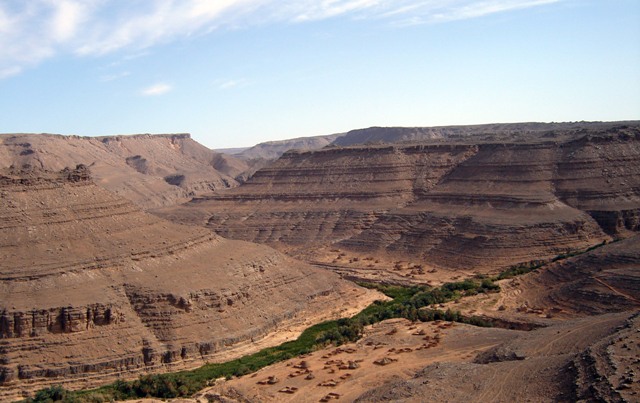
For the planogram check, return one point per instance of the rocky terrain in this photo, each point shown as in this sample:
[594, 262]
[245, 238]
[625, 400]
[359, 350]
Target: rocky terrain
[586, 359]
[603, 280]
[93, 289]
[578, 360]
[584, 347]
[455, 205]
[567, 332]
[150, 170]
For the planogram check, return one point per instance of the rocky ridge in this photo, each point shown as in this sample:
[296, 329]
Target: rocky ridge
[482, 133]
[150, 170]
[454, 205]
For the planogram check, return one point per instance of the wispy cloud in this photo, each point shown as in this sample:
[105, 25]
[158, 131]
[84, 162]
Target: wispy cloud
[156, 89]
[67, 17]
[116, 76]
[32, 31]
[229, 84]
[327, 9]
[9, 71]
[446, 11]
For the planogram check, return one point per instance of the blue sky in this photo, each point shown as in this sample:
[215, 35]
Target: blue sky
[238, 72]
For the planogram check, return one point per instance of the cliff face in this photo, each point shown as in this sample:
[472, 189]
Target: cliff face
[150, 170]
[457, 205]
[92, 288]
[599, 174]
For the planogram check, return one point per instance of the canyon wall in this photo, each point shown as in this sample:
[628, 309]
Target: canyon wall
[455, 205]
[150, 170]
[93, 289]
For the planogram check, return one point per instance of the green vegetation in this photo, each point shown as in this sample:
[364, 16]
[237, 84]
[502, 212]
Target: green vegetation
[414, 303]
[407, 302]
[54, 394]
[567, 255]
[519, 269]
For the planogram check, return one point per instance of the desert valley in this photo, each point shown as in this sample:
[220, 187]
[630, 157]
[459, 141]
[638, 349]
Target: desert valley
[496, 262]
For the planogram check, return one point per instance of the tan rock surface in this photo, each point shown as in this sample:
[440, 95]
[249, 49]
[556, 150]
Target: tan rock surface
[578, 360]
[94, 289]
[456, 363]
[603, 280]
[458, 206]
[578, 340]
[150, 170]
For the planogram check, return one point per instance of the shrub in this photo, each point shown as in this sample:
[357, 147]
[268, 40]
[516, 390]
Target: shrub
[54, 393]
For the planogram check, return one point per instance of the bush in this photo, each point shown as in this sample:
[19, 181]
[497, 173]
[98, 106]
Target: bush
[54, 393]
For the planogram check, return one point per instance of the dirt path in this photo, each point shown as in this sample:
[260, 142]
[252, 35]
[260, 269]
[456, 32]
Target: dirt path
[609, 286]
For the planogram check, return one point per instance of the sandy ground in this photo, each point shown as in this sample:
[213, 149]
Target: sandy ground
[391, 349]
[379, 267]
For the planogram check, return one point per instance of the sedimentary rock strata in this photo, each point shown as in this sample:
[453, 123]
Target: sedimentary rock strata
[448, 204]
[92, 288]
[606, 279]
[483, 133]
[150, 170]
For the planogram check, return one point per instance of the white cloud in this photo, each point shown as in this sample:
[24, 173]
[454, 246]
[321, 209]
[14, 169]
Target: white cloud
[333, 8]
[9, 71]
[229, 84]
[116, 76]
[67, 18]
[31, 31]
[156, 89]
[482, 8]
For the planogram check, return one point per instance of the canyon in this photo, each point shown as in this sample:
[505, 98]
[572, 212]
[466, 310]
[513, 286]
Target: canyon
[144, 254]
[94, 289]
[444, 205]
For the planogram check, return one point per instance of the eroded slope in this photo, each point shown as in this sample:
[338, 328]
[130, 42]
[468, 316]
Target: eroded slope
[606, 279]
[93, 288]
[457, 206]
[557, 363]
[150, 170]
[587, 358]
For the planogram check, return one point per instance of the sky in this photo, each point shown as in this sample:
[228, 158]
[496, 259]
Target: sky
[235, 73]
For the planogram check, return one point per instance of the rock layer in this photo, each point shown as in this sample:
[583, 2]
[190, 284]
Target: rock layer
[150, 170]
[606, 279]
[456, 205]
[93, 288]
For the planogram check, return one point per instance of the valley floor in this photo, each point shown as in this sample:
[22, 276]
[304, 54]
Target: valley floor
[585, 358]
